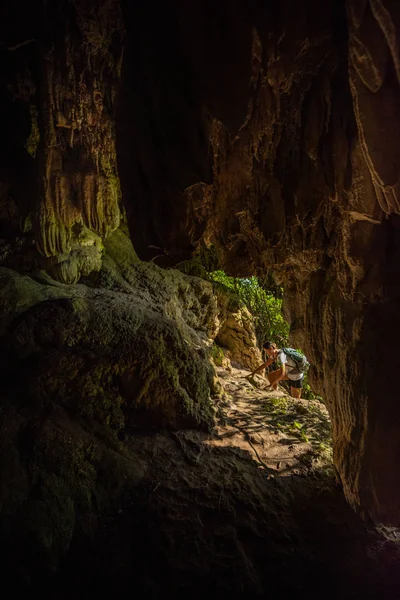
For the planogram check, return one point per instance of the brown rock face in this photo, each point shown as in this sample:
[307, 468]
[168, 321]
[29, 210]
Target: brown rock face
[269, 129]
[61, 78]
[237, 335]
[272, 132]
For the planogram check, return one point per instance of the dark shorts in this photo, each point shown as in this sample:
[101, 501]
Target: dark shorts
[296, 383]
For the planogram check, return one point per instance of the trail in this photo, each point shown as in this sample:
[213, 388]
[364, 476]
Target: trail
[284, 435]
[249, 511]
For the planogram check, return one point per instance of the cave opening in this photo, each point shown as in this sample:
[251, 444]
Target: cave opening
[255, 321]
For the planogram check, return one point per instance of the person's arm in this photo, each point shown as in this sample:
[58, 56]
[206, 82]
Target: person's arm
[269, 361]
[261, 367]
[282, 375]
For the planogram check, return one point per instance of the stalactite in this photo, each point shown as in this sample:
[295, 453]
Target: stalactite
[80, 180]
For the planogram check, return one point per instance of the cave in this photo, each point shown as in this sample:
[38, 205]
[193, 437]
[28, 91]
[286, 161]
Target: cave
[136, 138]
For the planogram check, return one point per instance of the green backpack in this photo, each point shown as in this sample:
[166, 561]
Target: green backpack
[301, 361]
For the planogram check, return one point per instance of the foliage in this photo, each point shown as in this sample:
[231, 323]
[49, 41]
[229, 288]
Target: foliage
[267, 283]
[307, 392]
[217, 355]
[262, 296]
[263, 305]
[303, 422]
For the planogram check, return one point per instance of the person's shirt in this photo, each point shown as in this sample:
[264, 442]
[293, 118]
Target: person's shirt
[290, 365]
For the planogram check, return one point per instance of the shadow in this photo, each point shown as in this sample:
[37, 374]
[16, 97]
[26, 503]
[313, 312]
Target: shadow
[207, 522]
[289, 441]
[168, 513]
[304, 424]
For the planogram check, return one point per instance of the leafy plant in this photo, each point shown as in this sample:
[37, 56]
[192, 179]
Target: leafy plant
[262, 305]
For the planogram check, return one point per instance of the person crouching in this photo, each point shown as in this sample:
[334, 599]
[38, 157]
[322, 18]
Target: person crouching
[287, 370]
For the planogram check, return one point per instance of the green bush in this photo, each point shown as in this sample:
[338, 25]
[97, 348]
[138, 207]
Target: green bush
[265, 308]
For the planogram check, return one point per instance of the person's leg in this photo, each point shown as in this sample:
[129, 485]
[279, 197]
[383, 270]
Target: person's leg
[296, 387]
[275, 377]
[275, 387]
[295, 392]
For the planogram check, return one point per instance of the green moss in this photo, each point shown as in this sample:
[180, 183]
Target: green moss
[103, 405]
[115, 186]
[172, 379]
[119, 248]
[73, 473]
[192, 267]
[306, 422]
[33, 140]
[217, 354]
[91, 393]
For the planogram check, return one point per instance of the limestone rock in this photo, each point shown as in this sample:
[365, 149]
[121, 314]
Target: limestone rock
[97, 366]
[289, 163]
[237, 334]
[95, 350]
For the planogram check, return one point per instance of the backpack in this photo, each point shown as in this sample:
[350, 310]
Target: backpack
[301, 361]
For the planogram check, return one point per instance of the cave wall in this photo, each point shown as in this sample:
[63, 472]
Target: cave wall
[299, 103]
[61, 71]
[268, 129]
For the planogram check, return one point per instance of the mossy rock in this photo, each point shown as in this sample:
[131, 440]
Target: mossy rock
[217, 355]
[97, 364]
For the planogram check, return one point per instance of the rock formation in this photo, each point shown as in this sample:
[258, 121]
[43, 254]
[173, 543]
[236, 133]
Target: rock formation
[82, 368]
[269, 130]
[62, 72]
[299, 105]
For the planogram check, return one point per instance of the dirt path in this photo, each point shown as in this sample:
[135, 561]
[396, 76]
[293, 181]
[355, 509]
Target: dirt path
[248, 512]
[283, 435]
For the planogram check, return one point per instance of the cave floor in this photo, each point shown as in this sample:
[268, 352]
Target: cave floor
[284, 436]
[252, 511]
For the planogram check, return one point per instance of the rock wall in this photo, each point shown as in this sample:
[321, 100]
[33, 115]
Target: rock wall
[238, 338]
[83, 370]
[299, 104]
[132, 353]
[60, 79]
